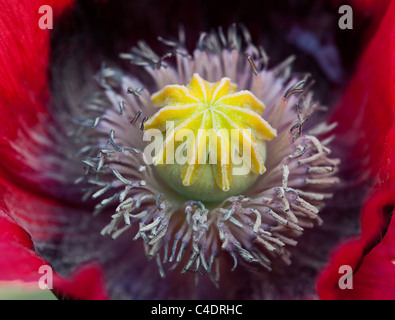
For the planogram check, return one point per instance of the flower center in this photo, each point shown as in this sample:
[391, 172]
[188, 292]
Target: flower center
[213, 142]
[257, 227]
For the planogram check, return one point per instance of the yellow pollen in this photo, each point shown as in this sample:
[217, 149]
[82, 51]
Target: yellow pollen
[218, 108]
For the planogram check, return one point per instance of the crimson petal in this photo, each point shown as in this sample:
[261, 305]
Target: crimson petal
[19, 261]
[365, 116]
[24, 51]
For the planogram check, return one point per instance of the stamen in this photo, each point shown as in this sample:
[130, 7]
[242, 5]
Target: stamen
[112, 133]
[101, 192]
[253, 67]
[121, 107]
[234, 260]
[160, 267]
[101, 162]
[136, 116]
[301, 151]
[136, 92]
[96, 122]
[165, 56]
[142, 123]
[296, 88]
[298, 125]
[170, 43]
[122, 179]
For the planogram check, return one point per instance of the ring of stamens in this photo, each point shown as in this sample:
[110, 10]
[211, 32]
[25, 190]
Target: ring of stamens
[257, 227]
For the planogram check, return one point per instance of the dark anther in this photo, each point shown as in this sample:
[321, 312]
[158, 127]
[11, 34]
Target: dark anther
[298, 125]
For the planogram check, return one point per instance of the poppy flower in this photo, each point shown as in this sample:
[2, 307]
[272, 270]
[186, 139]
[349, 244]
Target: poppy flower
[80, 195]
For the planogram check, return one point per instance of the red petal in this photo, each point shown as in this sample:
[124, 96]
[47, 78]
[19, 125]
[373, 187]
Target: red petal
[24, 51]
[24, 62]
[12, 233]
[365, 111]
[374, 224]
[376, 277]
[370, 7]
[17, 258]
[86, 283]
[366, 126]
[19, 261]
